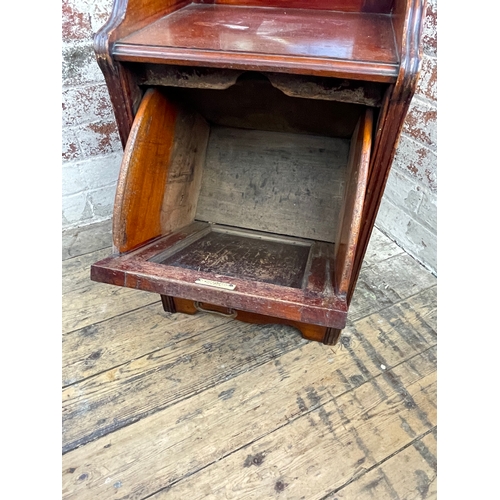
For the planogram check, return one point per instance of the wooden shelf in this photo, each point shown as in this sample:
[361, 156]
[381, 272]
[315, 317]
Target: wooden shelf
[317, 42]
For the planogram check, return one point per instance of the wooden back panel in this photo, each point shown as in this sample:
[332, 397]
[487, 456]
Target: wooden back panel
[352, 207]
[282, 183]
[379, 6]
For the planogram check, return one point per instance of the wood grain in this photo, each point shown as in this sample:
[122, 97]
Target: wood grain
[382, 6]
[396, 478]
[118, 397]
[138, 270]
[350, 217]
[254, 103]
[380, 248]
[143, 174]
[76, 270]
[302, 41]
[126, 16]
[96, 302]
[103, 346]
[386, 283]
[391, 119]
[305, 86]
[298, 458]
[230, 253]
[308, 331]
[82, 240]
[185, 169]
[198, 432]
[281, 183]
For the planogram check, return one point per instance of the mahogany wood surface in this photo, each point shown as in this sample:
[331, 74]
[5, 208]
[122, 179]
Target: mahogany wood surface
[352, 207]
[291, 40]
[143, 175]
[126, 16]
[380, 6]
[315, 303]
[391, 120]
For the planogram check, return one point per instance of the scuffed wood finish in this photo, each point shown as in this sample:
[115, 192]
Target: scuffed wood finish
[305, 86]
[327, 89]
[352, 207]
[149, 378]
[236, 254]
[182, 189]
[126, 16]
[185, 76]
[388, 481]
[275, 67]
[408, 25]
[140, 269]
[297, 458]
[303, 41]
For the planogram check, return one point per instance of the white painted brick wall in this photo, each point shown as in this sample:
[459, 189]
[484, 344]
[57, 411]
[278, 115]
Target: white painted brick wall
[91, 149]
[408, 212]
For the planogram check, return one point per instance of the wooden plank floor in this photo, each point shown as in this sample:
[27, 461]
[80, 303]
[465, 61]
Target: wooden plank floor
[168, 406]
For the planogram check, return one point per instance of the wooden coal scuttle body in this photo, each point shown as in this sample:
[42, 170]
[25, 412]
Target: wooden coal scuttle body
[258, 137]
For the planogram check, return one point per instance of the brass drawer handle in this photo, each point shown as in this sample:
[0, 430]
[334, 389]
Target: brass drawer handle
[231, 314]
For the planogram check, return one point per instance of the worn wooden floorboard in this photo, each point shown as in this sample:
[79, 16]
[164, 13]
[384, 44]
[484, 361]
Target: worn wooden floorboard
[159, 405]
[317, 452]
[243, 409]
[82, 240]
[387, 282]
[117, 397]
[409, 474]
[76, 270]
[380, 248]
[109, 344]
[98, 302]
[325, 448]
[96, 348]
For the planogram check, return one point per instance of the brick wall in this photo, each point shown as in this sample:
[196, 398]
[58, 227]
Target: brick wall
[91, 151]
[408, 210]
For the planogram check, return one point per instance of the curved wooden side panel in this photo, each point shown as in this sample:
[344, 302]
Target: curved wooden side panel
[352, 207]
[408, 23]
[143, 175]
[160, 176]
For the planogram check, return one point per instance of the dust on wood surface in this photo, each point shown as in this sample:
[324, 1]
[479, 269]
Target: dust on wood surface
[276, 262]
[290, 184]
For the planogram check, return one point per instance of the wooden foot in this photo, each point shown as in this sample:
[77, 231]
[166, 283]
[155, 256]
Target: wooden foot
[328, 336]
[332, 336]
[168, 303]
